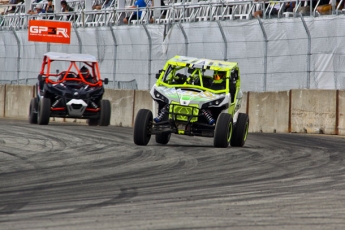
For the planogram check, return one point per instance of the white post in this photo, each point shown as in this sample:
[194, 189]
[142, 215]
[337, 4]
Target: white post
[121, 6]
[57, 6]
[27, 6]
[88, 5]
[157, 11]
[334, 6]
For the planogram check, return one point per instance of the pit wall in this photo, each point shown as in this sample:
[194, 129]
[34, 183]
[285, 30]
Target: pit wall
[297, 111]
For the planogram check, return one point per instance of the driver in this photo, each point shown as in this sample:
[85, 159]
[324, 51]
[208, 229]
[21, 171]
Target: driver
[85, 72]
[218, 80]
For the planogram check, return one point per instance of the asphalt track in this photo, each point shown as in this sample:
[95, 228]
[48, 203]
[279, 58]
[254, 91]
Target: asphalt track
[71, 176]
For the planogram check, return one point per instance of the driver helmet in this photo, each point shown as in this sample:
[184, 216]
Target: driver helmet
[218, 76]
[85, 72]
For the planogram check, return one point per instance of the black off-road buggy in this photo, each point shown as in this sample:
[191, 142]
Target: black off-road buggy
[71, 93]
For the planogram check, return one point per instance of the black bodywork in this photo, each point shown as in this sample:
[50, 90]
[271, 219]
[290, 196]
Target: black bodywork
[61, 93]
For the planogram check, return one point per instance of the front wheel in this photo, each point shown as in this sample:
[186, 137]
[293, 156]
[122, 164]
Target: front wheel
[44, 111]
[105, 113]
[163, 138]
[239, 136]
[223, 131]
[33, 109]
[142, 126]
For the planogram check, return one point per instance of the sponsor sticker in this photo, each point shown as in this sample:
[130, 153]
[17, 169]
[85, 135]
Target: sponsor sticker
[49, 31]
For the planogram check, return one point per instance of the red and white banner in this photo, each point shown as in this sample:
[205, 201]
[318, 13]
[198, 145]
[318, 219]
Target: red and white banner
[49, 31]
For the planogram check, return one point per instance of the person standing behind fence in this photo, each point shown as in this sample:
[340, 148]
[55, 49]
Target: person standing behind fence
[137, 4]
[106, 4]
[50, 7]
[38, 10]
[163, 14]
[66, 8]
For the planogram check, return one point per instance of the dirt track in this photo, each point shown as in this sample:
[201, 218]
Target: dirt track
[71, 176]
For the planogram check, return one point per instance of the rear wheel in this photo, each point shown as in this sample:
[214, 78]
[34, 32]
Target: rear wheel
[142, 126]
[239, 136]
[105, 113]
[223, 131]
[44, 111]
[33, 109]
[163, 138]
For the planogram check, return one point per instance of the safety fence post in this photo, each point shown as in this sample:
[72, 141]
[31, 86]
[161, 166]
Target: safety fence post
[185, 37]
[150, 55]
[225, 41]
[18, 53]
[265, 55]
[115, 53]
[309, 50]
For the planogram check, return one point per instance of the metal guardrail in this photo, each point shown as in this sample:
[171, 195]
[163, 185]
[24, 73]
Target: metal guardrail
[172, 13]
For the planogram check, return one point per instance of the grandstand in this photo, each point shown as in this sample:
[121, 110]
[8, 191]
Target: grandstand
[277, 52]
[176, 11]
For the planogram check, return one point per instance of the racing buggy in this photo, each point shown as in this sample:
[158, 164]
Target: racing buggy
[75, 92]
[195, 97]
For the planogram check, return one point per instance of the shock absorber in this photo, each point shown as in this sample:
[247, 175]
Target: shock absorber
[208, 115]
[94, 105]
[161, 114]
[56, 102]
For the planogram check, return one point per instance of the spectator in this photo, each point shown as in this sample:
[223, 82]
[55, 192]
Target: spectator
[163, 13]
[305, 10]
[106, 4]
[66, 7]
[13, 8]
[38, 10]
[326, 8]
[50, 7]
[134, 16]
[272, 10]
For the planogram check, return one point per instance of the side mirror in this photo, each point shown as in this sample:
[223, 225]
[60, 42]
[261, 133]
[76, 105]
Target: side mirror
[159, 73]
[234, 75]
[40, 77]
[106, 81]
[40, 81]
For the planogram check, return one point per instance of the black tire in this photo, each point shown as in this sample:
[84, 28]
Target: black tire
[105, 113]
[33, 110]
[223, 131]
[44, 111]
[143, 122]
[240, 133]
[163, 138]
[93, 122]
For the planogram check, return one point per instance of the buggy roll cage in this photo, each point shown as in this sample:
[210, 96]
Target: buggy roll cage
[78, 77]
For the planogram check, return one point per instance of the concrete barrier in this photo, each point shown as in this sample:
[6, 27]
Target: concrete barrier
[2, 100]
[341, 112]
[17, 100]
[268, 112]
[313, 111]
[243, 108]
[143, 100]
[122, 106]
[301, 111]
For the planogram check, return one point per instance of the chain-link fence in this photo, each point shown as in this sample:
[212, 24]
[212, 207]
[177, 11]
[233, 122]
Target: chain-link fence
[273, 54]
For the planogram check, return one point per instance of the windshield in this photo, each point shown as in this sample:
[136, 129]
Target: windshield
[177, 75]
